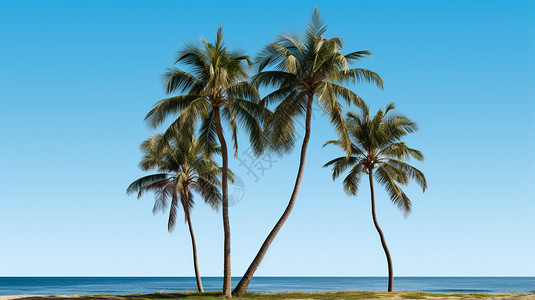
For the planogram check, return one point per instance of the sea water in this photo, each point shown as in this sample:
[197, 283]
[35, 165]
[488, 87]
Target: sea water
[135, 285]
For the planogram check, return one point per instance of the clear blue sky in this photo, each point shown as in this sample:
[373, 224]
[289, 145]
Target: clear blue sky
[77, 78]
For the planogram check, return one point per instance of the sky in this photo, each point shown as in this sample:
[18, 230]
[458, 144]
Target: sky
[78, 77]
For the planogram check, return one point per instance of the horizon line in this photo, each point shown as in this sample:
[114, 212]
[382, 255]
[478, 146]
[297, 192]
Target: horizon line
[266, 276]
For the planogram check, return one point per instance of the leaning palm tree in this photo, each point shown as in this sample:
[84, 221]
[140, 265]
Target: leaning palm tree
[184, 166]
[215, 94]
[301, 71]
[377, 150]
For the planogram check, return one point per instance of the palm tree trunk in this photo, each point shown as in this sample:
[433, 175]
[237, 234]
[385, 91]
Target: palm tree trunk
[227, 288]
[194, 246]
[241, 288]
[383, 241]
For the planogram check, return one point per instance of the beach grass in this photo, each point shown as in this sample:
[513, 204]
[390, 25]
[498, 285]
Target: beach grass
[292, 295]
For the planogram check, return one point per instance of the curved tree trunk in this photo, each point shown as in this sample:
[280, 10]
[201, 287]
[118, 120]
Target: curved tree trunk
[227, 288]
[383, 241]
[194, 246]
[241, 288]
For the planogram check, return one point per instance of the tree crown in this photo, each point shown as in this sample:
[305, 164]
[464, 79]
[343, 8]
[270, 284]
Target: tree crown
[377, 148]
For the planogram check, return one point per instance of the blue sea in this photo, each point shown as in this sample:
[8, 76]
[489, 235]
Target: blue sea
[135, 285]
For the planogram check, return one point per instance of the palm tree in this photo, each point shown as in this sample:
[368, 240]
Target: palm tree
[301, 71]
[377, 151]
[184, 166]
[214, 90]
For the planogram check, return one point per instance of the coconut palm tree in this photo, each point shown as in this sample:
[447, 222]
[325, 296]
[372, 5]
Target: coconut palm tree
[214, 95]
[377, 150]
[303, 71]
[184, 166]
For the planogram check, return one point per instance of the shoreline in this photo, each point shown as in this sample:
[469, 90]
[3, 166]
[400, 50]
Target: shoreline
[292, 295]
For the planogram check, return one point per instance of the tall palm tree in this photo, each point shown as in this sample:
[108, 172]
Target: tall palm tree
[301, 71]
[377, 150]
[213, 91]
[184, 166]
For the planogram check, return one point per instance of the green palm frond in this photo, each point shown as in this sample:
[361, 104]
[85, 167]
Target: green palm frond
[207, 131]
[146, 183]
[358, 55]
[275, 78]
[346, 94]
[243, 90]
[169, 106]
[352, 180]
[358, 76]
[184, 124]
[399, 150]
[340, 165]
[327, 100]
[397, 196]
[172, 212]
[209, 191]
[280, 128]
[229, 114]
[411, 171]
[177, 80]
[246, 113]
[195, 58]
[162, 193]
[279, 95]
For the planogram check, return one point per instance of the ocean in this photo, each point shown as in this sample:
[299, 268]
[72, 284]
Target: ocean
[136, 285]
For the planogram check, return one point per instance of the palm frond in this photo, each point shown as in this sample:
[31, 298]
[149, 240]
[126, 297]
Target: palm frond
[172, 211]
[178, 80]
[144, 183]
[169, 106]
[399, 150]
[358, 55]
[209, 192]
[275, 78]
[397, 196]
[411, 171]
[352, 180]
[358, 75]
[340, 165]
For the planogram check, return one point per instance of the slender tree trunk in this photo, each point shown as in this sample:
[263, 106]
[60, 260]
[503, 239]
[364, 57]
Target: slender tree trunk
[241, 288]
[383, 241]
[194, 246]
[227, 288]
